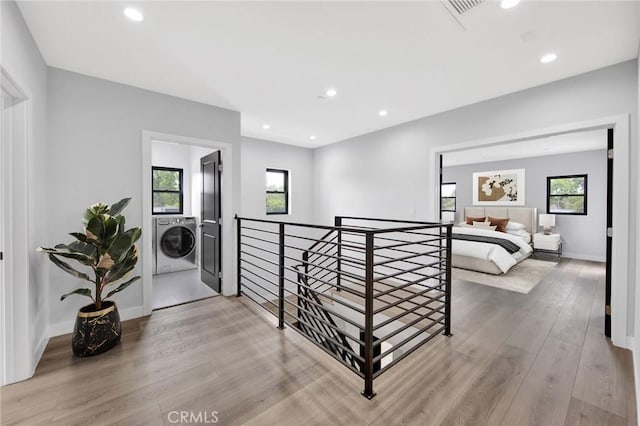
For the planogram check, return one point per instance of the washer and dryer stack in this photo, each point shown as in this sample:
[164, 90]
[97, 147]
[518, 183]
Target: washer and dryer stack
[175, 244]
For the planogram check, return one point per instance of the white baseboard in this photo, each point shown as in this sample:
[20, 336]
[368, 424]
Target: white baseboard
[66, 327]
[39, 350]
[581, 256]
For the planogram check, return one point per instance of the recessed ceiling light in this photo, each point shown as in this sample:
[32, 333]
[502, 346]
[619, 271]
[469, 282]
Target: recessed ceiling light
[549, 57]
[508, 4]
[383, 113]
[312, 137]
[133, 14]
[331, 92]
[266, 126]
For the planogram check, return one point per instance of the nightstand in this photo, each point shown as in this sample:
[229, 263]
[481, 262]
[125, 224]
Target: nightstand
[551, 243]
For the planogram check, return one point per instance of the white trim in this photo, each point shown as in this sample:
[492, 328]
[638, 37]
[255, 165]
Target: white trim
[17, 363]
[66, 327]
[228, 241]
[580, 256]
[39, 350]
[621, 178]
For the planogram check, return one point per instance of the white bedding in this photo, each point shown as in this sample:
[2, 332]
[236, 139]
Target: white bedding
[487, 251]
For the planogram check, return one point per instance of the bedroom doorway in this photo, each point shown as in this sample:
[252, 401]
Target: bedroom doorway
[614, 239]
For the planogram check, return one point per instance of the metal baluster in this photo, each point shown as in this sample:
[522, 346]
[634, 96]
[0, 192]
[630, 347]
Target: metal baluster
[368, 319]
[447, 297]
[281, 280]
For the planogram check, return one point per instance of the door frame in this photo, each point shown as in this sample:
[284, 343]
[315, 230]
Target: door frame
[621, 177]
[16, 349]
[147, 218]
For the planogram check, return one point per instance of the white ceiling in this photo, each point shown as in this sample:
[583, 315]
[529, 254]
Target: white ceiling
[554, 145]
[271, 60]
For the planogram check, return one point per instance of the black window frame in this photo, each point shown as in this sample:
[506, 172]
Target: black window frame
[285, 192]
[584, 195]
[180, 192]
[455, 201]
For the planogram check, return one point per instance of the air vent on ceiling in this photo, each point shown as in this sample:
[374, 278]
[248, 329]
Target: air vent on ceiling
[463, 6]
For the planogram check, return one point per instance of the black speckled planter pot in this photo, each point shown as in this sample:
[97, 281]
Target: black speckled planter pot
[96, 332]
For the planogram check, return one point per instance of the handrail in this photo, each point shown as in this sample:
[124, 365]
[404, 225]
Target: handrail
[388, 282]
[318, 308]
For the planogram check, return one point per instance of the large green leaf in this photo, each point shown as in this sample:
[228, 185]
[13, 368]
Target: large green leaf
[135, 233]
[83, 253]
[110, 227]
[116, 208]
[79, 236]
[121, 220]
[80, 291]
[96, 227]
[123, 267]
[119, 247]
[122, 286]
[67, 268]
[80, 247]
[84, 259]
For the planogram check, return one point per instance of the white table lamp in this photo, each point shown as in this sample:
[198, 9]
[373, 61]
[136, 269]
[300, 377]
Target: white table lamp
[547, 221]
[448, 217]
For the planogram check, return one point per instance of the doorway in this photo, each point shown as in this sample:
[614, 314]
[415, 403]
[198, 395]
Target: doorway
[16, 351]
[225, 210]
[619, 211]
[184, 191]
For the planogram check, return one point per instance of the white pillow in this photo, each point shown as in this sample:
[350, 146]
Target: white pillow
[515, 226]
[484, 225]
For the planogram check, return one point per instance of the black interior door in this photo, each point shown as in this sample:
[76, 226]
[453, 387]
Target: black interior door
[211, 226]
[607, 307]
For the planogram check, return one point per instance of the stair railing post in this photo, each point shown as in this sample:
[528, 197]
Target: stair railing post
[338, 224]
[368, 318]
[281, 279]
[238, 256]
[447, 294]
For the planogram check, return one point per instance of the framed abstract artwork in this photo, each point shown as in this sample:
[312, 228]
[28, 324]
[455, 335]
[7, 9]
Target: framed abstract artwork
[499, 188]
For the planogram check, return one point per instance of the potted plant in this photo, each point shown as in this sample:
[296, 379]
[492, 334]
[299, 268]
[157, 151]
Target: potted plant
[109, 253]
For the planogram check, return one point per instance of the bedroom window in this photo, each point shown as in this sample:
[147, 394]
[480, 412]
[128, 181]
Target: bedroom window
[277, 191]
[167, 190]
[567, 194]
[448, 197]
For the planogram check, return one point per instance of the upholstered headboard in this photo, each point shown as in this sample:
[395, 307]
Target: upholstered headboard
[528, 216]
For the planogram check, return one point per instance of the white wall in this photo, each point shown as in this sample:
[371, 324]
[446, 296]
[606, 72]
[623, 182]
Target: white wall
[257, 156]
[165, 154]
[95, 137]
[23, 62]
[577, 243]
[386, 173]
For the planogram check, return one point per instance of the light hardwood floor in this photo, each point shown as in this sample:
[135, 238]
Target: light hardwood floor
[514, 359]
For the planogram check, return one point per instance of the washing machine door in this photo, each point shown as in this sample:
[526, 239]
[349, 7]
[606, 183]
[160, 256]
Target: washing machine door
[177, 242]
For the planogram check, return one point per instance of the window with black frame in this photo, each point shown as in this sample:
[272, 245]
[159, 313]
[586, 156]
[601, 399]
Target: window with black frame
[167, 190]
[277, 191]
[567, 195]
[448, 197]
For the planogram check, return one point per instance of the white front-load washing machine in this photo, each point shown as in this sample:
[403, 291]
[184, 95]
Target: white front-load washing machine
[175, 244]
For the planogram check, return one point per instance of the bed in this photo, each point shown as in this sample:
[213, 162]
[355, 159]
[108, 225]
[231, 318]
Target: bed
[493, 256]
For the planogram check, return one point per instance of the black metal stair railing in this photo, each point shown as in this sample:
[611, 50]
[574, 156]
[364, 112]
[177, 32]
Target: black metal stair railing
[369, 292]
[311, 310]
